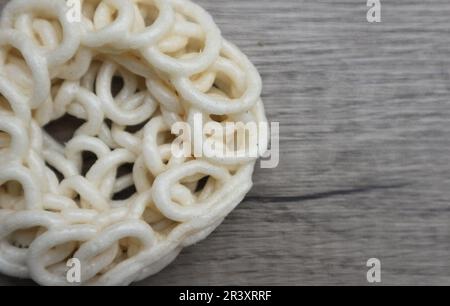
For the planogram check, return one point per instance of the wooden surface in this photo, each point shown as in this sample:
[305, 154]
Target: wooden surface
[365, 148]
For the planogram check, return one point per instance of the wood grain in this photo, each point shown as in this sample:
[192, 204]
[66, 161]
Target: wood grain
[365, 148]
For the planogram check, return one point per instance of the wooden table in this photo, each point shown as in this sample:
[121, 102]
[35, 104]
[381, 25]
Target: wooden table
[365, 148]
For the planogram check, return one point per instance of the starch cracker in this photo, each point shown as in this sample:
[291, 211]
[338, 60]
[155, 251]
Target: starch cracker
[173, 64]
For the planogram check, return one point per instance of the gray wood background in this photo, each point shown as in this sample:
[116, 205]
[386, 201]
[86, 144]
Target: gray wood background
[365, 148]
